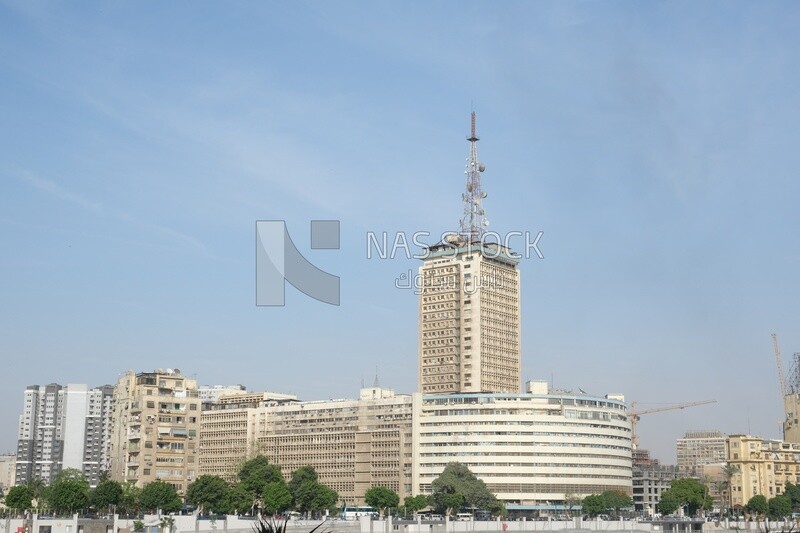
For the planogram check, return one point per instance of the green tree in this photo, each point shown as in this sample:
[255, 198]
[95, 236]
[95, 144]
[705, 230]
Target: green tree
[211, 494]
[129, 501]
[456, 478]
[685, 493]
[382, 498]
[106, 494]
[19, 497]
[159, 495]
[757, 506]
[616, 500]
[728, 472]
[276, 497]
[312, 496]
[415, 503]
[300, 476]
[256, 473]
[793, 492]
[593, 505]
[69, 491]
[242, 500]
[779, 507]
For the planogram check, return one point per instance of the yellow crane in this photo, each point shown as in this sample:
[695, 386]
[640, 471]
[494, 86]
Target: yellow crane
[635, 415]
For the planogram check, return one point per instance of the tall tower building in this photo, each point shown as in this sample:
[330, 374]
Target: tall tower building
[469, 304]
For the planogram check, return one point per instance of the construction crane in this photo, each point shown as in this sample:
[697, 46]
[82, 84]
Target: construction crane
[779, 362]
[635, 415]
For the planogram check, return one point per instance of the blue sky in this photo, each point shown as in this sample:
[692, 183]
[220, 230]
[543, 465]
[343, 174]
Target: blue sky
[654, 144]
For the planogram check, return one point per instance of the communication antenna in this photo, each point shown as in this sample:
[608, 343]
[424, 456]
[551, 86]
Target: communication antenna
[473, 224]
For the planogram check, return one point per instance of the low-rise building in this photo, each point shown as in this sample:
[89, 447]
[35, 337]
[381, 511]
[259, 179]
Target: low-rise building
[763, 466]
[650, 480]
[8, 468]
[532, 450]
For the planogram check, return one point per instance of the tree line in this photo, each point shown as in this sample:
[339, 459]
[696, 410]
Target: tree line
[260, 487]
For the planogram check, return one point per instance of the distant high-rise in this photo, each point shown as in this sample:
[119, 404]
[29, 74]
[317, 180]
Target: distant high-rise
[63, 427]
[469, 304]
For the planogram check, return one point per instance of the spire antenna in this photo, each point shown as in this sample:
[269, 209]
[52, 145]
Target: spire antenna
[473, 223]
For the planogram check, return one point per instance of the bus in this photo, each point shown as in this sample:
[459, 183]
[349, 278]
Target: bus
[354, 513]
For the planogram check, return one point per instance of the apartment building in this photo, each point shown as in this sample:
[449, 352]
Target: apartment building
[63, 427]
[156, 421]
[698, 448]
[763, 467]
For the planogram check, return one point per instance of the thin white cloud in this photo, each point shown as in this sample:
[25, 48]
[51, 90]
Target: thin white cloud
[56, 190]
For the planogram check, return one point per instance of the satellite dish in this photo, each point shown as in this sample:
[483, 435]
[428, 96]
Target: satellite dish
[481, 167]
[177, 371]
[485, 222]
[484, 194]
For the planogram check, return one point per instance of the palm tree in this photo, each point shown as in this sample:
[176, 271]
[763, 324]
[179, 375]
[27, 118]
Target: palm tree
[728, 471]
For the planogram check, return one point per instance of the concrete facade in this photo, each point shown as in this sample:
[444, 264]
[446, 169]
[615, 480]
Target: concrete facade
[650, 480]
[469, 319]
[698, 448]
[764, 466]
[63, 427]
[353, 445]
[531, 450]
[156, 421]
[8, 469]
[228, 431]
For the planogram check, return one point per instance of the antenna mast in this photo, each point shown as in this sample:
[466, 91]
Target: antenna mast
[473, 223]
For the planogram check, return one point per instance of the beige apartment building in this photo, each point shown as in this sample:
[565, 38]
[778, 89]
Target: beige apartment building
[764, 466]
[469, 319]
[698, 448]
[228, 431]
[155, 421]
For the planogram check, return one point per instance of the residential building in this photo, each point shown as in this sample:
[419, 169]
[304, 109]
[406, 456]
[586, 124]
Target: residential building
[532, 450]
[228, 431]
[8, 469]
[156, 421]
[63, 427]
[698, 448]
[650, 480]
[763, 466]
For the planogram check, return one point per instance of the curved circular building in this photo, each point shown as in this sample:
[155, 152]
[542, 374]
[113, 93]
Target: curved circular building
[534, 451]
